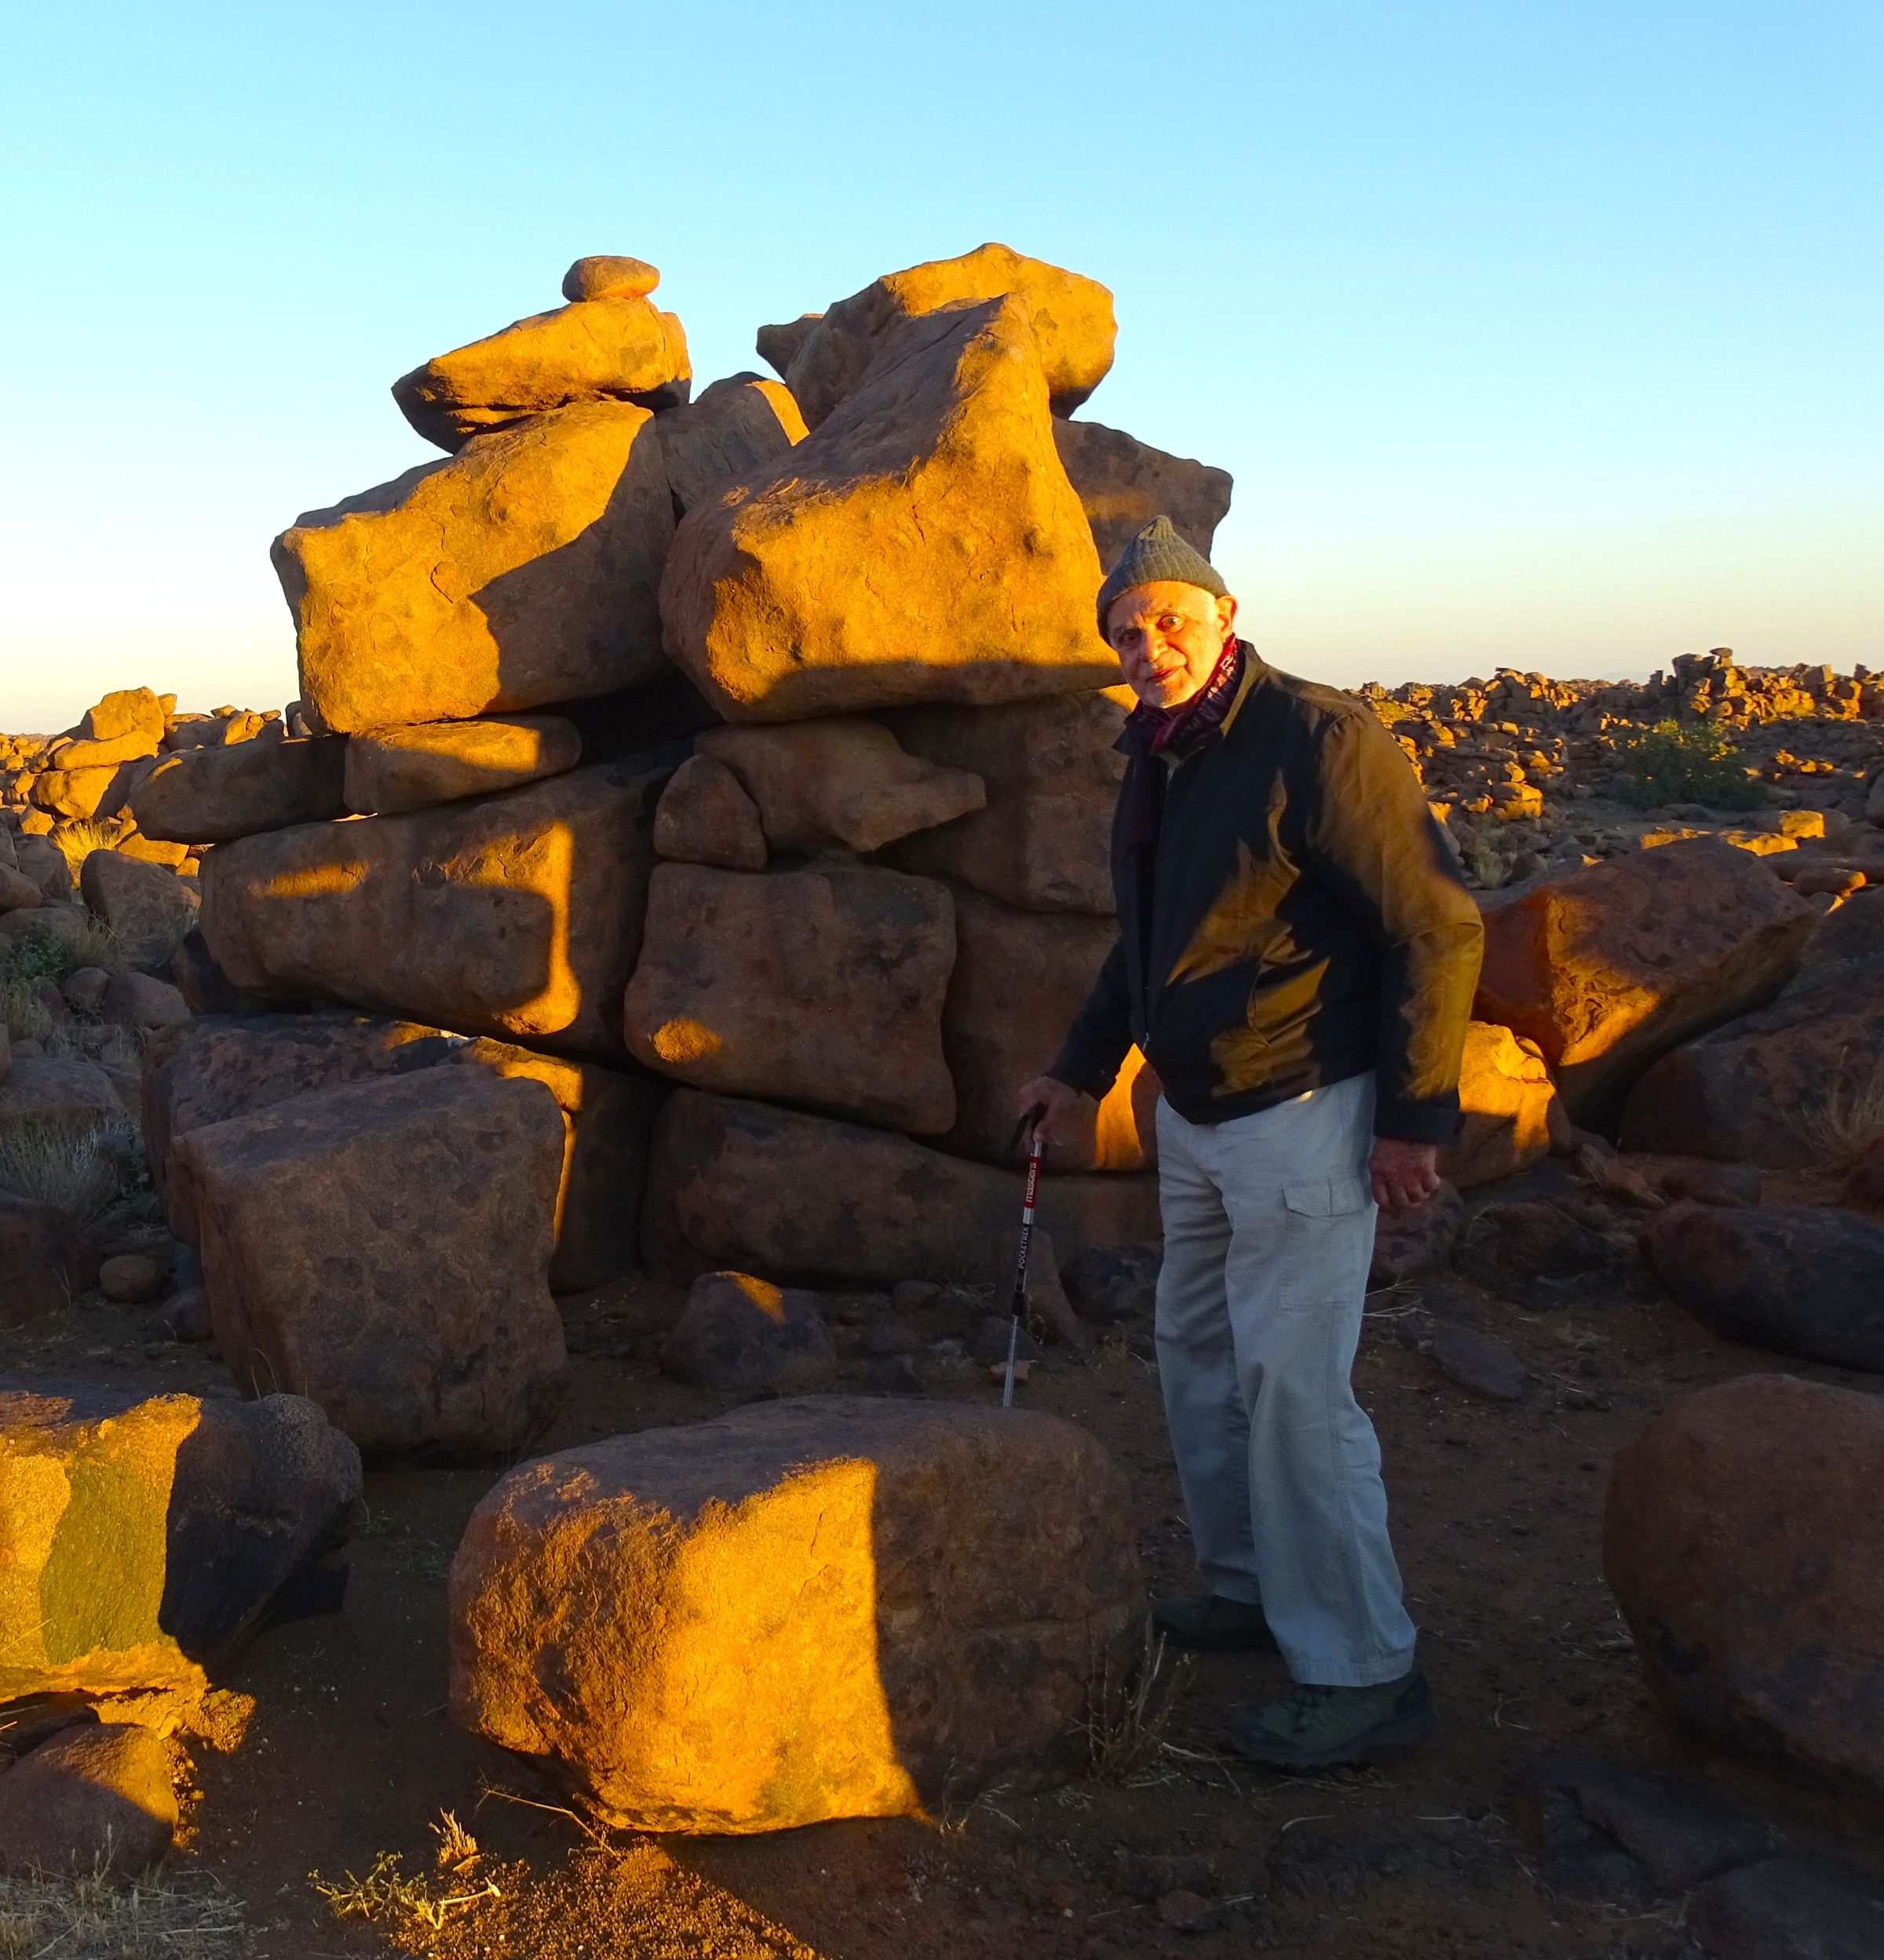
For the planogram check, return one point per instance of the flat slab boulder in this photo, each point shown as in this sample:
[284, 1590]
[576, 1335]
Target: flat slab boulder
[1019, 978]
[938, 474]
[1608, 969]
[517, 916]
[822, 986]
[736, 426]
[617, 348]
[1744, 1545]
[789, 1614]
[383, 1248]
[832, 352]
[1768, 1088]
[524, 571]
[147, 1536]
[1509, 1106]
[1801, 1280]
[845, 780]
[389, 771]
[1053, 776]
[209, 795]
[1124, 484]
[803, 1198]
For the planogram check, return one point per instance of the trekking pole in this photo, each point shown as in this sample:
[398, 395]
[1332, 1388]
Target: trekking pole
[1029, 1124]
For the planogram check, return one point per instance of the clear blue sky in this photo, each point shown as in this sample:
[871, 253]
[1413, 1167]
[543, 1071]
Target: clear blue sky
[1543, 333]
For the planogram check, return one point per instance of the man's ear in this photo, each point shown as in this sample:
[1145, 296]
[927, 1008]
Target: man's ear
[1226, 614]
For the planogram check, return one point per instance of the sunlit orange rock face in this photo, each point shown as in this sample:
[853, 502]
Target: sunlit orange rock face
[518, 916]
[144, 1536]
[778, 1191]
[1612, 966]
[819, 986]
[620, 348]
[923, 544]
[392, 770]
[1073, 318]
[524, 571]
[827, 1608]
[383, 1248]
[1506, 1096]
[737, 424]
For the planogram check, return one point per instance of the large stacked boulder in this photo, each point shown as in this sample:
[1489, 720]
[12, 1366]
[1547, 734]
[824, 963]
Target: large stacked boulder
[796, 1612]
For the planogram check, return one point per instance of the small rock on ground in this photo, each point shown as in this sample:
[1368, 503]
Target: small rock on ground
[130, 1279]
[1479, 1364]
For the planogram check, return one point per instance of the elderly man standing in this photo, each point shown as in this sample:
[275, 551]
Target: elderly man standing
[1297, 957]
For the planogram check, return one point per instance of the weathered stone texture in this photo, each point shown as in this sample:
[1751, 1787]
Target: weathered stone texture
[1124, 484]
[738, 426]
[209, 795]
[939, 476]
[517, 915]
[790, 1613]
[390, 771]
[523, 571]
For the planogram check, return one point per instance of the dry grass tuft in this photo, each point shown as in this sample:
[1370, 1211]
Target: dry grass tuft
[79, 1166]
[95, 1918]
[1845, 1117]
[1129, 1709]
[386, 1896]
[75, 842]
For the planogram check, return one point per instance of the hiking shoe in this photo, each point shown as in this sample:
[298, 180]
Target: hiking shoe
[1212, 1625]
[1318, 1727]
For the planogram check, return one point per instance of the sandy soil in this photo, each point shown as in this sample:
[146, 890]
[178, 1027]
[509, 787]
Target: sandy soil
[1497, 1511]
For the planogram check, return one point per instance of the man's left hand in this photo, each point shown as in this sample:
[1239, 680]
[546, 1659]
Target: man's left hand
[1403, 1174]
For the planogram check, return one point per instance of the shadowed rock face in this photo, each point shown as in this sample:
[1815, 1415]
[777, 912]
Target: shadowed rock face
[619, 347]
[738, 426]
[792, 1613]
[1609, 967]
[96, 1797]
[940, 475]
[1757, 1091]
[523, 571]
[207, 1509]
[801, 1198]
[383, 1248]
[389, 771]
[822, 986]
[830, 353]
[1744, 1543]
[517, 915]
[739, 1334]
[208, 795]
[1124, 484]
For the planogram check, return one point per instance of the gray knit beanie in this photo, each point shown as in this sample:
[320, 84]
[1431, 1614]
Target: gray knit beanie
[1157, 553]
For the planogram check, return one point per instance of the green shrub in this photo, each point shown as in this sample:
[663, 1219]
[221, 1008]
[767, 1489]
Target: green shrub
[1692, 762]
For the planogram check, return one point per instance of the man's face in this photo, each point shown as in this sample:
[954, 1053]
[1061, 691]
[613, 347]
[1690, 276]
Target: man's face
[1169, 637]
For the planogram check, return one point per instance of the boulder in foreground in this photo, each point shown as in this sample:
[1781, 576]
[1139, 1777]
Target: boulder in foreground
[517, 915]
[1610, 967]
[1743, 1542]
[793, 1613]
[1507, 1101]
[383, 1248]
[1803, 1280]
[148, 1536]
[801, 1198]
[97, 1798]
[523, 571]
[940, 475]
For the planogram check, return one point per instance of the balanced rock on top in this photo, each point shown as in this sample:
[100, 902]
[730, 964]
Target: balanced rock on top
[611, 344]
[940, 475]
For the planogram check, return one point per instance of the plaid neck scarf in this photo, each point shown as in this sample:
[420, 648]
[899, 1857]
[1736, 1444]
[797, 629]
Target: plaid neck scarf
[1205, 709]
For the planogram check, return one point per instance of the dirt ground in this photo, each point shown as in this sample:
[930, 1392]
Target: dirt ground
[1497, 1516]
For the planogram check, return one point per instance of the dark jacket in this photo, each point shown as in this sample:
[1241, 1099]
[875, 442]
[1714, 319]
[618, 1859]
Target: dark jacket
[1289, 915]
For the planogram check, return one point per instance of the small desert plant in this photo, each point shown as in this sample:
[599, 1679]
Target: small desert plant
[98, 1918]
[1676, 762]
[1129, 1706]
[386, 1895]
[48, 955]
[1843, 1119]
[76, 841]
[78, 1166]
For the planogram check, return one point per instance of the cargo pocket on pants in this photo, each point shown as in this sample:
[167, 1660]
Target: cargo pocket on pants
[1327, 1241]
